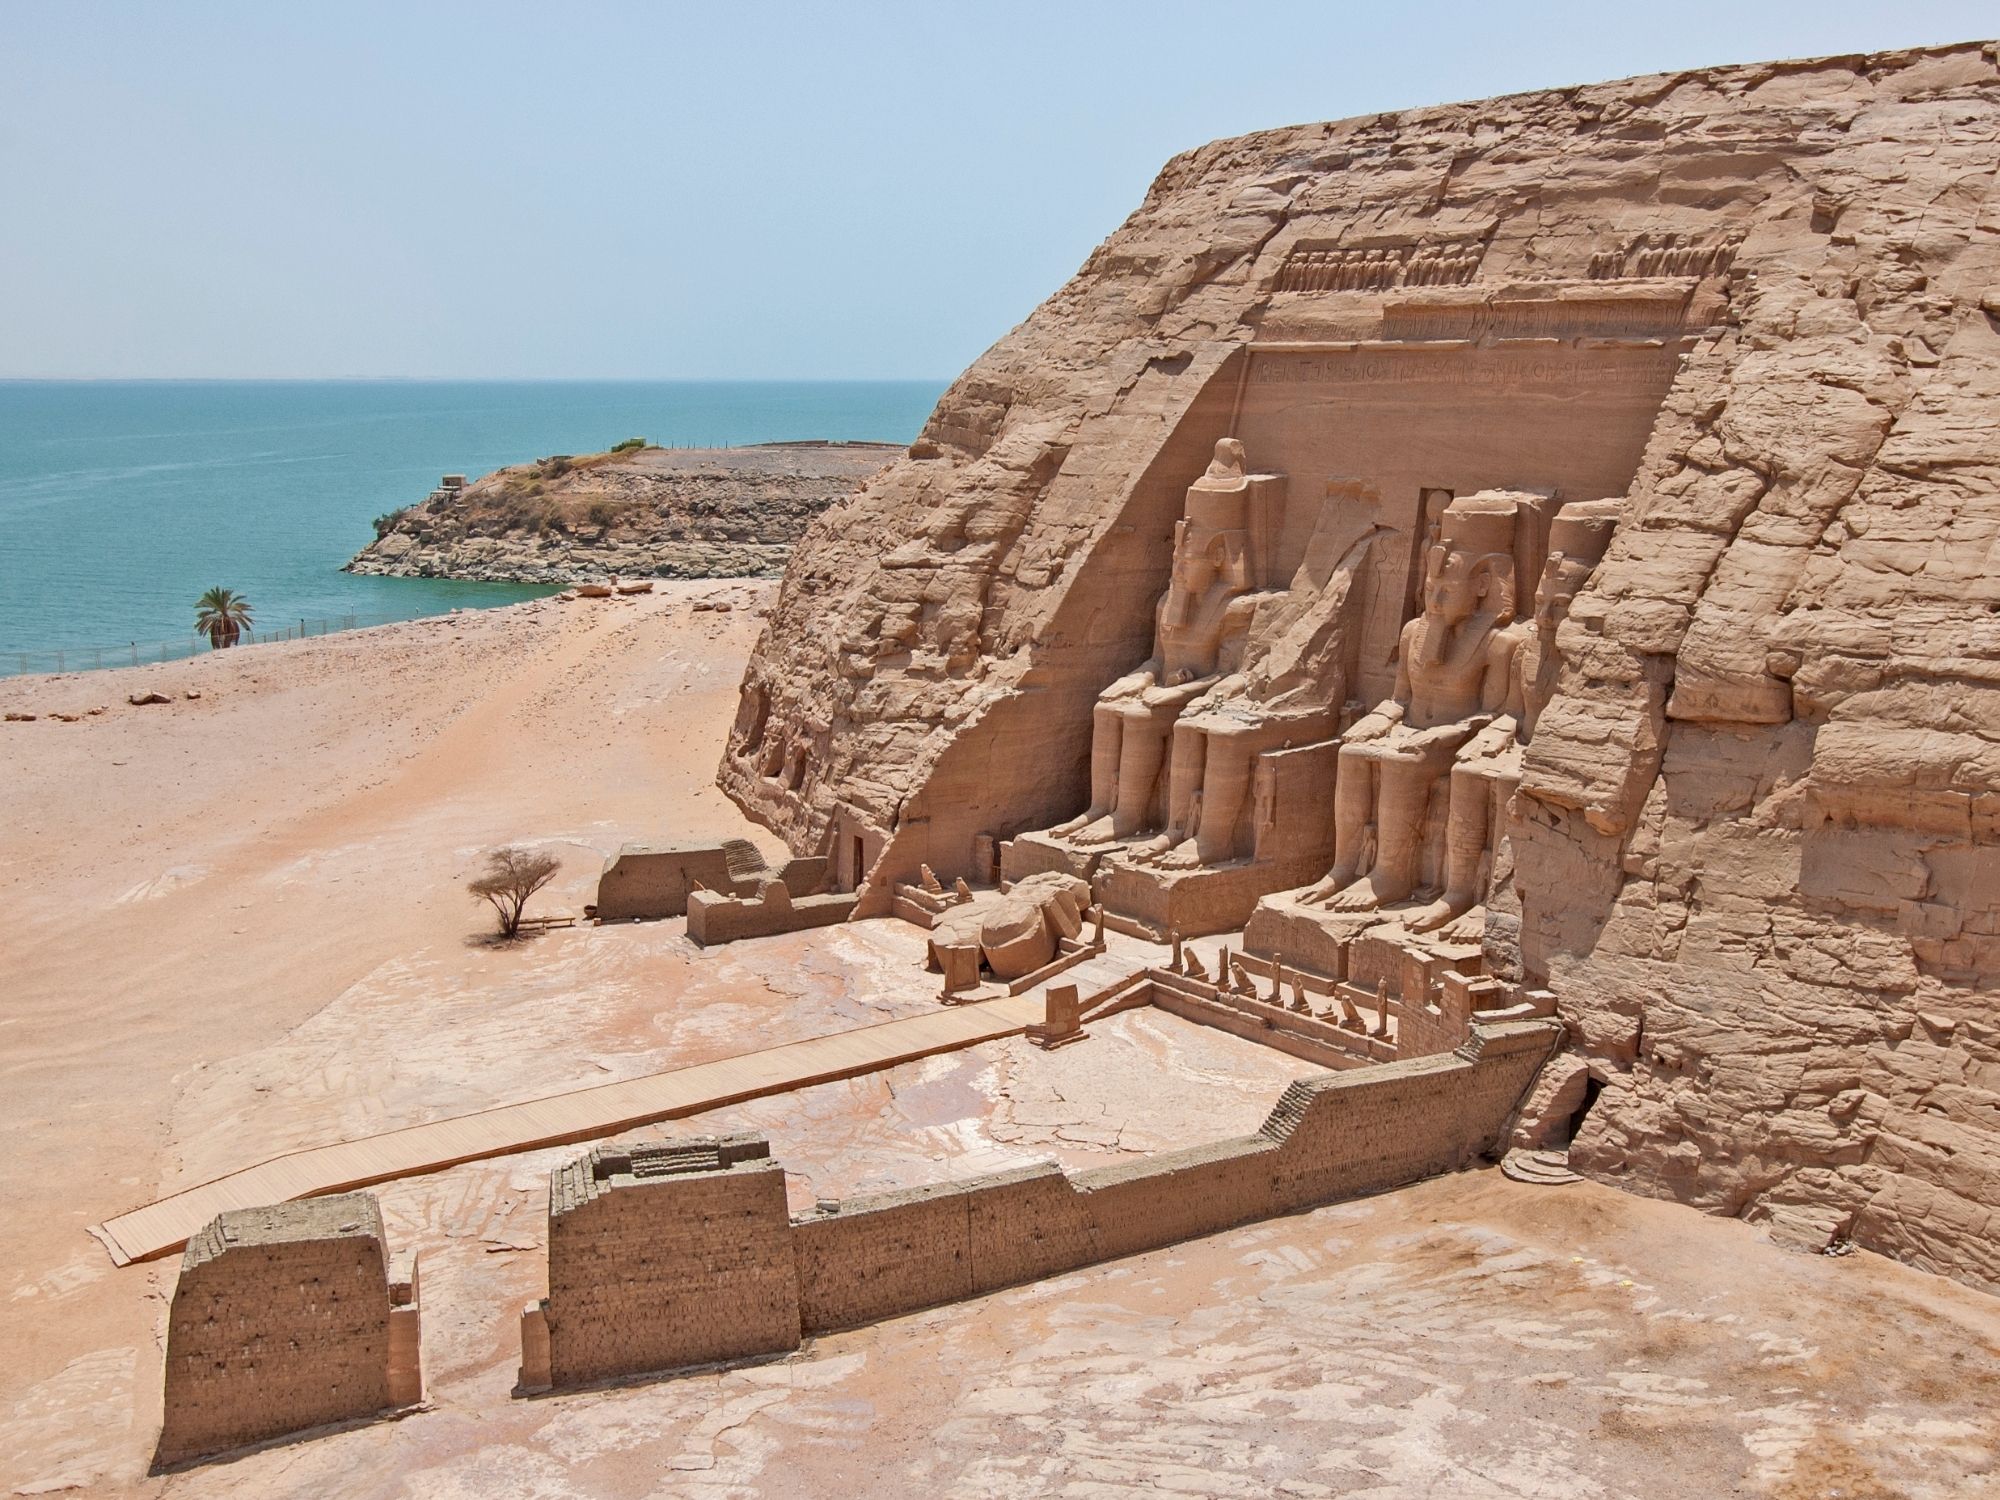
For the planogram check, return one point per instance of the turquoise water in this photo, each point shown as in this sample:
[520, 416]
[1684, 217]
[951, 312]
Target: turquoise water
[121, 501]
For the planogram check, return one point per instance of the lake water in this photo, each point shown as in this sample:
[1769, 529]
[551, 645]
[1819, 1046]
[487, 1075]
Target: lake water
[121, 501]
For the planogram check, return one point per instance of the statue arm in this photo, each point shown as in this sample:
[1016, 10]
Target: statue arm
[1500, 691]
[1178, 695]
[1132, 683]
[1220, 691]
[1406, 643]
[1377, 722]
[1234, 638]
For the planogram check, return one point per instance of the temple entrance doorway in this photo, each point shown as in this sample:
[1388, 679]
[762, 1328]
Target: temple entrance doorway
[1565, 1133]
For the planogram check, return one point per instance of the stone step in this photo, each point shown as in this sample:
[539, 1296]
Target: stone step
[1542, 1167]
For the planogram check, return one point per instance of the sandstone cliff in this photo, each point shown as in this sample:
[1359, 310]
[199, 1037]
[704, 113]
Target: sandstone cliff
[649, 513]
[1757, 842]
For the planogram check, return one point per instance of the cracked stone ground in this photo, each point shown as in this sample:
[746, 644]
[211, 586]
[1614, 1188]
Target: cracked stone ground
[1465, 1338]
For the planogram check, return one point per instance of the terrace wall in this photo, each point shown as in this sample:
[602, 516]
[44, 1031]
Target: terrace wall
[704, 1265]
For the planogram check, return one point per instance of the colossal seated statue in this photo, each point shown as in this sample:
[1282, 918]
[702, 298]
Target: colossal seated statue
[1454, 677]
[1488, 768]
[1289, 691]
[1199, 628]
[1212, 765]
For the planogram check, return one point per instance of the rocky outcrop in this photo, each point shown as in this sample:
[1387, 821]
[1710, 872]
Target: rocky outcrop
[646, 513]
[1755, 851]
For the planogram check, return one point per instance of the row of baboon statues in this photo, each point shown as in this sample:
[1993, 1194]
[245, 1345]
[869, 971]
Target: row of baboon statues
[1667, 255]
[1374, 269]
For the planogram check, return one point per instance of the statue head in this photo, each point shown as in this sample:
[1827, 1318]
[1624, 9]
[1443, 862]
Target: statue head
[1211, 542]
[1470, 567]
[1205, 554]
[1579, 536]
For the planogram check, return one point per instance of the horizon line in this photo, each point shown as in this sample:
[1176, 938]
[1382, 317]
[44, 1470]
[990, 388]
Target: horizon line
[475, 379]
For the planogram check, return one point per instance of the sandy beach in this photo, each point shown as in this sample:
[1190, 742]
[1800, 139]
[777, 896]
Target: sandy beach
[236, 924]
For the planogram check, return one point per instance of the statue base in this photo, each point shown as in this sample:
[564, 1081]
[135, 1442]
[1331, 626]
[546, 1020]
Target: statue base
[1314, 938]
[1044, 853]
[1196, 902]
[1309, 937]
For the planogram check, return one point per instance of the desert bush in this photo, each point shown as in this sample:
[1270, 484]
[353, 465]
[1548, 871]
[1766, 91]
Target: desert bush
[512, 875]
[629, 445]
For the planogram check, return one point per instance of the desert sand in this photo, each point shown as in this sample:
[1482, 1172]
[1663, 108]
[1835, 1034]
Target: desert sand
[236, 925]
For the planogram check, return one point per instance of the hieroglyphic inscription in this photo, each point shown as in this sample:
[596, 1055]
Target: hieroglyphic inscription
[1419, 366]
[1379, 267]
[1665, 255]
[1540, 318]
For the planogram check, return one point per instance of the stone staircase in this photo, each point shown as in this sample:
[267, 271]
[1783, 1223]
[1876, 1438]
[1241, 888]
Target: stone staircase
[1288, 1111]
[1544, 1168]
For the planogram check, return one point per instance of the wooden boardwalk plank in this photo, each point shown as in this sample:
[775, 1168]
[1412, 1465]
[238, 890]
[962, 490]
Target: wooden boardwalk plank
[560, 1119]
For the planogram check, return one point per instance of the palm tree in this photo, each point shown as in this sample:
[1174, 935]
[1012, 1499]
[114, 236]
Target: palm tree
[222, 615]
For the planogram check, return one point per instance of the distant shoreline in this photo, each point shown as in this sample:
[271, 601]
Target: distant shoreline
[651, 512]
[125, 498]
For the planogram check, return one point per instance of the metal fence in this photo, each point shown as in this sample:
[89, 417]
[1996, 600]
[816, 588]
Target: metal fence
[140, 653]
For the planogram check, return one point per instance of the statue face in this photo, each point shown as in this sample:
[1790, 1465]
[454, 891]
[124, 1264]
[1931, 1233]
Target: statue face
[1198, 558]
[1560, 581]
[1458, 582]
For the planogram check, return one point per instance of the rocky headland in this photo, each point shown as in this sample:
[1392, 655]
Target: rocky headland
[1753, 848]
[644, 513]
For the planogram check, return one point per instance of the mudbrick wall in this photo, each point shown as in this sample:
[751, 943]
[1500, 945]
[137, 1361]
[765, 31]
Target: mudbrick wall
[285, 1318]
[684, 1254]
[1756, 849]
[668, 1256]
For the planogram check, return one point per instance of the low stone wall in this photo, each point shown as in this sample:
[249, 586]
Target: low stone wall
[765, 1281]
[285, 1318]
[713, 919]
[651, 881]
[663, 1257]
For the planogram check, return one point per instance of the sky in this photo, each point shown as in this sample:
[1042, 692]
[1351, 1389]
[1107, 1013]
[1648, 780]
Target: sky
[669, 191]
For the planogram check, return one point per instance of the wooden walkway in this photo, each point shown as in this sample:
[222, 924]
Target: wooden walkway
[583, 1115]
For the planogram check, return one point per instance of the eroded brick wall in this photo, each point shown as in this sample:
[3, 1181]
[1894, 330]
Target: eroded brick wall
[670, 1256]
[703, 1264]
[1334, 1136]
[281, 1321]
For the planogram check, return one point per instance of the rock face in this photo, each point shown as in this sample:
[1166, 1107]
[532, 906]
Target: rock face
[650, 513]
[1755, 846]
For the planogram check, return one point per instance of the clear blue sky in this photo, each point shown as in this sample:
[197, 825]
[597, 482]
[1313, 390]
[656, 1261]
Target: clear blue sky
[731, 190]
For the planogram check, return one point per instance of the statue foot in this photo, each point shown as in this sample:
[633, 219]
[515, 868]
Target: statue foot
[1316, 894]
[1098, 831]
[1429, 918]
[1073, 825]
[1468, 927]
[1151, 849]
[1362, 895]
[1183, 856]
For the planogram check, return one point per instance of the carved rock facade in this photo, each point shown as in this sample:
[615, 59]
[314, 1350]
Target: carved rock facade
[1755, 846]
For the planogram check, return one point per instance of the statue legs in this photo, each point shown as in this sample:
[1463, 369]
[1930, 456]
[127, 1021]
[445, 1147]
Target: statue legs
[1128, 743]
[1402, 792]
[1142, 749]
[1184, 778]
[1353, 804]
[1225, 785]
[1483, 779]
[1393, 782]
[1107, 734]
